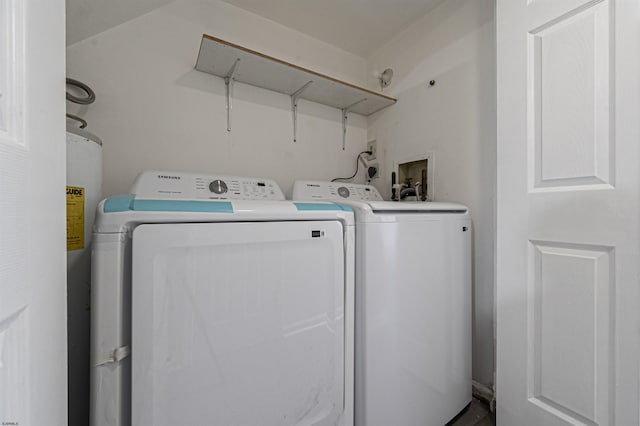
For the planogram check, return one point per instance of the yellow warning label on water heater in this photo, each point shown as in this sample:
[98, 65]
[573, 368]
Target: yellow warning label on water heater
[75, 218]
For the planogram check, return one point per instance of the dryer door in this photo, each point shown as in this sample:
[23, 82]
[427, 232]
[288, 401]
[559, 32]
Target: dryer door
[238, 324]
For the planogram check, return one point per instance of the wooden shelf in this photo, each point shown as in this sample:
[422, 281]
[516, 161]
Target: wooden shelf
[218, 57]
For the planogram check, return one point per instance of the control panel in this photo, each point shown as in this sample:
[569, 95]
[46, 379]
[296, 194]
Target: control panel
[334, 191]
[211, 187]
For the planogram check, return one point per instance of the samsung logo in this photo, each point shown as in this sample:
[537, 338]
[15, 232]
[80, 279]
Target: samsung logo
[168, 177]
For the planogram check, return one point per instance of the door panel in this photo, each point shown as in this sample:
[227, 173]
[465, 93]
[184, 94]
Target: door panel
[238, 323]
[569, 97]
[571, 330]
[568, 215]
[33, 385]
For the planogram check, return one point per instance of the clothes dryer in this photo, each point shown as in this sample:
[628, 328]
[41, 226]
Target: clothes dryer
[216, 302]
[413, 305]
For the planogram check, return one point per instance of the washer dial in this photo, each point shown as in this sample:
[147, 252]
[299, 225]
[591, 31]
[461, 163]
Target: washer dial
[218, 186]
[343, 192]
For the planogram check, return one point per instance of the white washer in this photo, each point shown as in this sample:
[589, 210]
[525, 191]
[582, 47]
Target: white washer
[216, 302]
[413, 305]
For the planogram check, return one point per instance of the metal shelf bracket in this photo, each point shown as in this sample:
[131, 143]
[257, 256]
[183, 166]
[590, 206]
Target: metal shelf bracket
[229, 79]
[345, 111]
[294, 108]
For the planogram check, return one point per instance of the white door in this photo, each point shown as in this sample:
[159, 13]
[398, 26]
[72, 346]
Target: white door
[33, 368]
[239, 324]
[568, 212]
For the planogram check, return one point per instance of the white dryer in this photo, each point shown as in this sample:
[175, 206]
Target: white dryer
[413, 305]
[216, 302]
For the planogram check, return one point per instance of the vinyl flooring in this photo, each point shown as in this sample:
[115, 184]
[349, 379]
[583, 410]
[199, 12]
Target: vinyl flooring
[477, 414]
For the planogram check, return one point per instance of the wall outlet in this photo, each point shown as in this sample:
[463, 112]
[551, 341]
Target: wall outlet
[373, 147]
[373, 171]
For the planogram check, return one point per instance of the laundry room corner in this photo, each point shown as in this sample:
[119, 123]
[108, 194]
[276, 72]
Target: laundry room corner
[330, 212]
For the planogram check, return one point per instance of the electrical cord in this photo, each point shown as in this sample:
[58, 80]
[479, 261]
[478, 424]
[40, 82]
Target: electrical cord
[357, 165]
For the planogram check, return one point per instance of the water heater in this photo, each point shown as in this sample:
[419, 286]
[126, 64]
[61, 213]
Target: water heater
[84, 192]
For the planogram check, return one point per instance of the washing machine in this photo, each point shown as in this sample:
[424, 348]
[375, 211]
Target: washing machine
[217, 302]
[413, 305]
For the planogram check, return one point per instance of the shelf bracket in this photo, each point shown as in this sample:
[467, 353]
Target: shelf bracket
[294, 108]
[229, 79]
[346, 111]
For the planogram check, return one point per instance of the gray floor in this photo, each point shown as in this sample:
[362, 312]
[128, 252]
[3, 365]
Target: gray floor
[477, 414]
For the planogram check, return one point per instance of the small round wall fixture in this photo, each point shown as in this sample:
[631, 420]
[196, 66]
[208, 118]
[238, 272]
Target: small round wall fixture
[385, 78]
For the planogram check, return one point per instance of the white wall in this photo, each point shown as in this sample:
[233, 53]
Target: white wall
[154, 111]
[455, 120]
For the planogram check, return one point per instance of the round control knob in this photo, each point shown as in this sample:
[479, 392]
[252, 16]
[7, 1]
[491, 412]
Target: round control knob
[218, 186]
[343, 192]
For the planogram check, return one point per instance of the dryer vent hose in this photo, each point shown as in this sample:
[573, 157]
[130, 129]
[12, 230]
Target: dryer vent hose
[91, 96]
